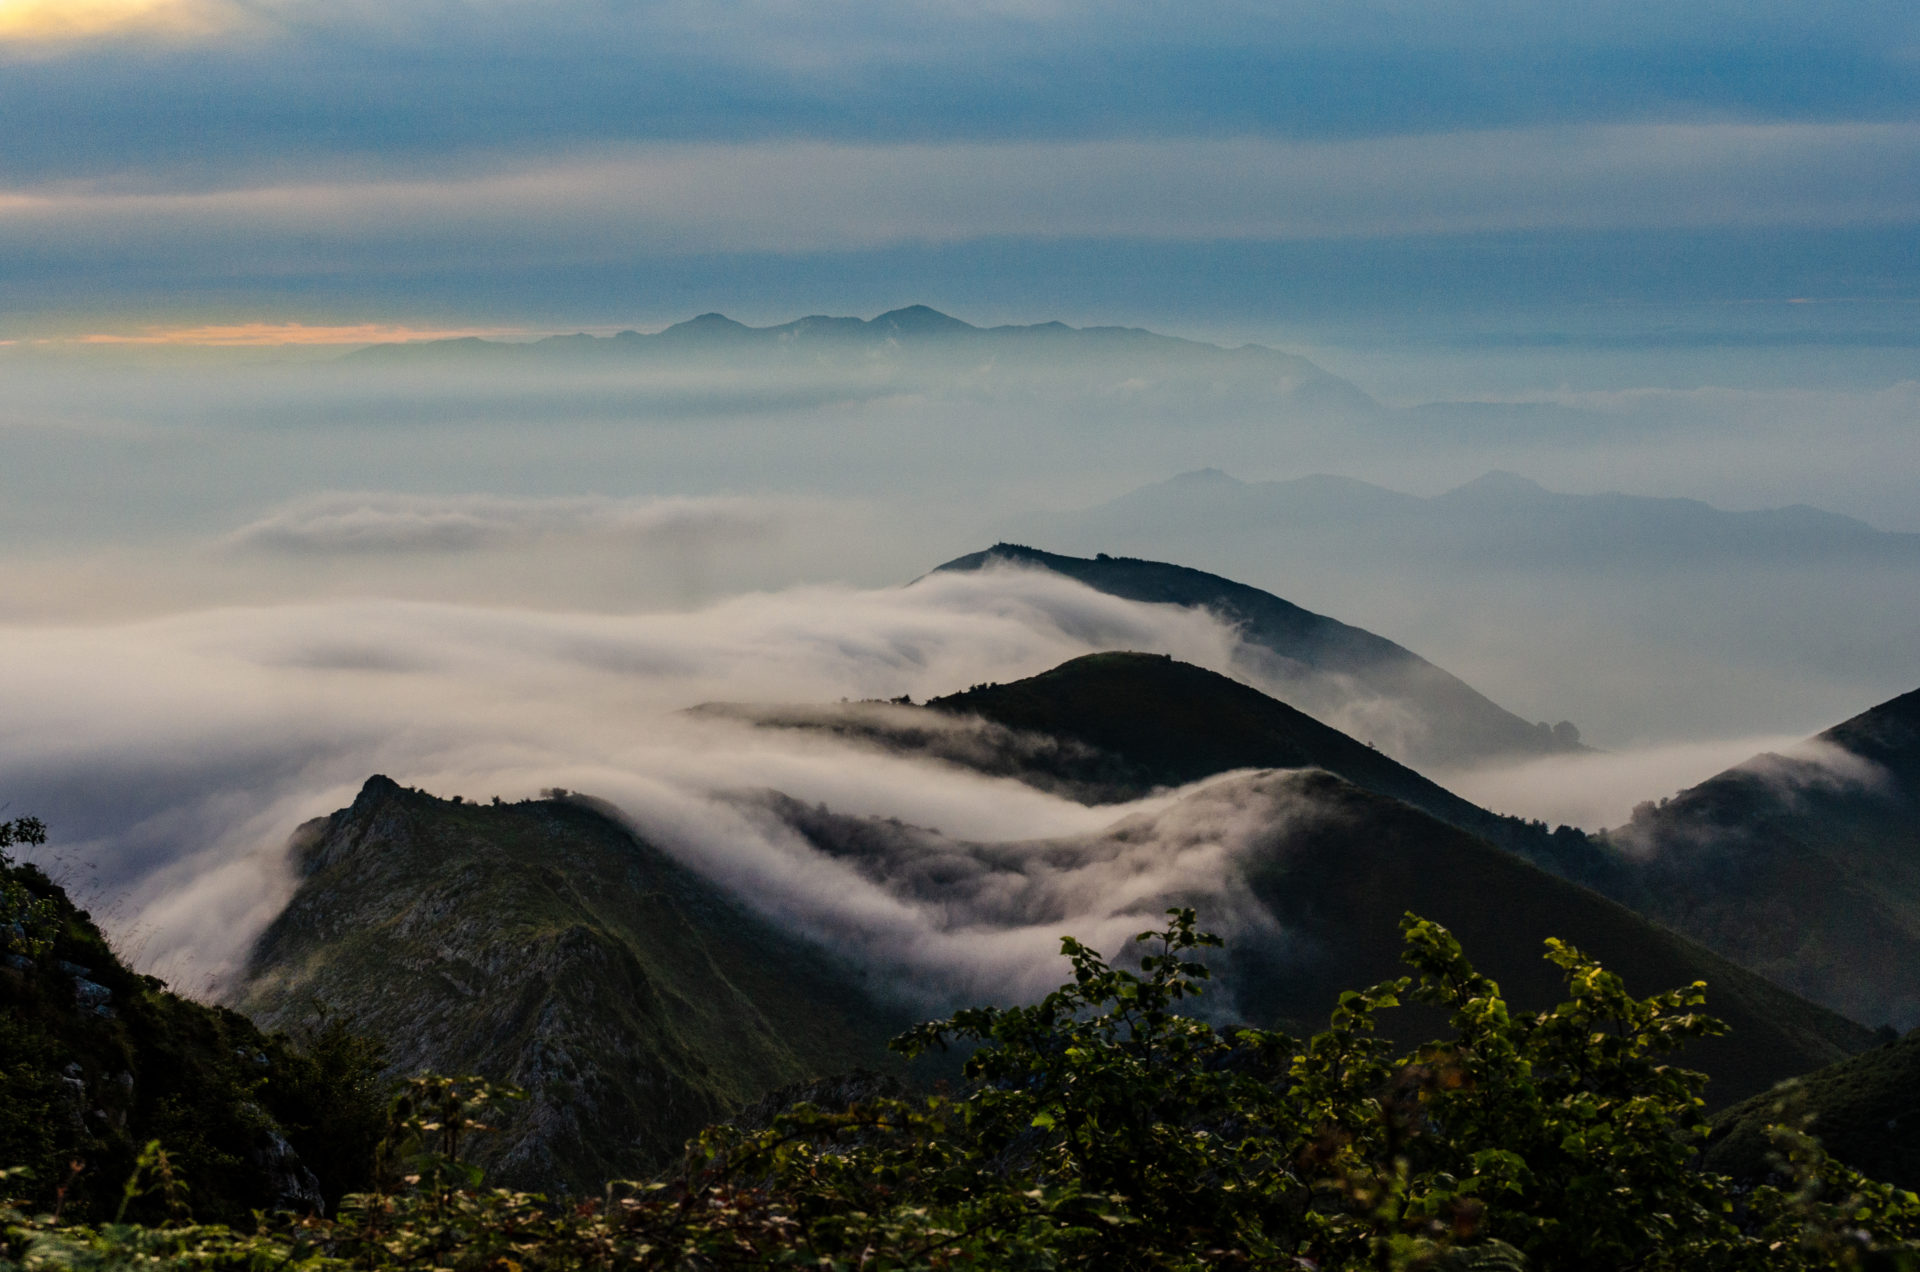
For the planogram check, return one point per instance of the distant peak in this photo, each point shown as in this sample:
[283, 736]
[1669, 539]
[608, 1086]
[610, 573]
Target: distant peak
[1501, 482]
[1205, 477]
[916, 319]
[709, 323]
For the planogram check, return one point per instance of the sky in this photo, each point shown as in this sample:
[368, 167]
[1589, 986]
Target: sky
[1240, 167]
[1622, 246]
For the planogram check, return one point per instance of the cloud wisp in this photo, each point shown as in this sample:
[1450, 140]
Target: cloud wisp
[386, 522]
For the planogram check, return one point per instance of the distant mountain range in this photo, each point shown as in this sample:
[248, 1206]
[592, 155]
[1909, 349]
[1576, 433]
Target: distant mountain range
[906, 341]
[1499, 520]
[1804, 867]
[1365, 684]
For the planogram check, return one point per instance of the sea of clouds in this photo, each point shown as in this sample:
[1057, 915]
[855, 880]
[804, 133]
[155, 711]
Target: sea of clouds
[173, 757]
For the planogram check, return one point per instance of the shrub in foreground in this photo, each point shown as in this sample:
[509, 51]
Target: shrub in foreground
[1104, 1128]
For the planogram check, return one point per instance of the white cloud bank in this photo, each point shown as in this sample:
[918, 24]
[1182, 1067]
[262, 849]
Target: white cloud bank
[172, 757]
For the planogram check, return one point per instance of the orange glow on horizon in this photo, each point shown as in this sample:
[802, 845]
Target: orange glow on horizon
[258, 334]
[53, 20]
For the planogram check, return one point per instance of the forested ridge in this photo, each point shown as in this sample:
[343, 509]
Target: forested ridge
[1104, 1126]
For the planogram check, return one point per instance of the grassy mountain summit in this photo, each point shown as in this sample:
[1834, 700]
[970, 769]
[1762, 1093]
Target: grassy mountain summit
[1804, 866]
[544, 944]
[1365, 684]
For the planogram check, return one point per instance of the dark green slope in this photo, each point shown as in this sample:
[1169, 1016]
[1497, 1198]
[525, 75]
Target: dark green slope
[1804, 868]
[1169, 723]
[1320, 660]
[1175, 723]
[1865, 1109]
[1311, 896]
[1342, 881]
[543, 944]
[96, 1060]
[1803, 871]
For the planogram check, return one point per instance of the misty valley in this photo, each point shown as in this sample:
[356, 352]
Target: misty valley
[519, 876]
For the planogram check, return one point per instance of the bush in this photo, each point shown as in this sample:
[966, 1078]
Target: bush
[1104, 1128]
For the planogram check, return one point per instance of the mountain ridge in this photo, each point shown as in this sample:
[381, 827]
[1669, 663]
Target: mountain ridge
[914, 339]
[1475, 519]
[545, 944]
[1319, 663]
[1805, 866]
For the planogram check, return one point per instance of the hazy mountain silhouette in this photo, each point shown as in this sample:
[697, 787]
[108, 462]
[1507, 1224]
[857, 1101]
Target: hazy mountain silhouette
[1497, 520]
[912, 340]
[1364, 684]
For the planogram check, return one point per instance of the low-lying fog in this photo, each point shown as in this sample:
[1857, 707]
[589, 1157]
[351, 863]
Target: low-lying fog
[236, 585]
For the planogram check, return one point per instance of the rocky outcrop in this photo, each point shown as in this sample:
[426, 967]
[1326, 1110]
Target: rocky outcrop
[544, 945]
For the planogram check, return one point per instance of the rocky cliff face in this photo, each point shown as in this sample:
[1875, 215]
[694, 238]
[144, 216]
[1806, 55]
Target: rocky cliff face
[543, 944]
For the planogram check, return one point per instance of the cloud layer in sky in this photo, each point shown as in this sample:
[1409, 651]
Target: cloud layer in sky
[257, 159]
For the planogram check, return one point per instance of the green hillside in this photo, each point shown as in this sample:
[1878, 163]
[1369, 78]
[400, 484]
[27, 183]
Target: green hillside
[1338, 883]
[543, 944]
[1804, 867]
[1315, 878]
[1166, 723]
[96, 1060]
[1865, 1109]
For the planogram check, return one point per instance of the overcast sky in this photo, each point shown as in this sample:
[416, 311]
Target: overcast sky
[586, 161]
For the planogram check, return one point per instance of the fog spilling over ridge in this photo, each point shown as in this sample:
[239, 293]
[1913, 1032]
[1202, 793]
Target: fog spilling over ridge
[240, 582]
[175, 755]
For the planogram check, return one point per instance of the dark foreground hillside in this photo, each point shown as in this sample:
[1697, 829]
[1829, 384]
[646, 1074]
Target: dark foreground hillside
[1315, 875]
[543, 944]
[1804, 867]
[1106, 1127]
[96, 1060]
[1865, 1109]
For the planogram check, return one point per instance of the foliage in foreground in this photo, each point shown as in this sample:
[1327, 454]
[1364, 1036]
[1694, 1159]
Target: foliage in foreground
[1099, 1128]
[96, 1060]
